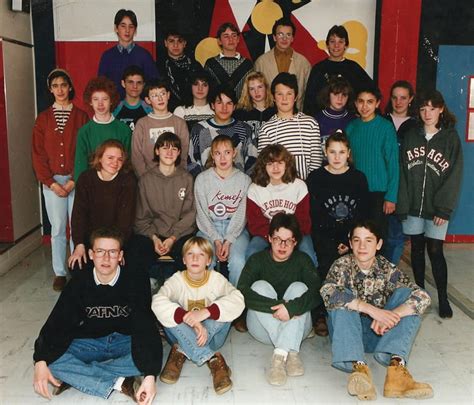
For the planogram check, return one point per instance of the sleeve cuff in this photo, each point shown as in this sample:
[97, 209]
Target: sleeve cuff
[179, 314]
[214, 311]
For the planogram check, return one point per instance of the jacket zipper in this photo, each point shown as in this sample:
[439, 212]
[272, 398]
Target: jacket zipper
[424, 182]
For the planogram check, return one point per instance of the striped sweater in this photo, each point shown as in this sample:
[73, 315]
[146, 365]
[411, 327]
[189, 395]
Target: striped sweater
[300, 135]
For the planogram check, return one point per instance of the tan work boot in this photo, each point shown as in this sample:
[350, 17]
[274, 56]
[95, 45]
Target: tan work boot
[173, 366]
[294, 365]
[276, 375]
[220, 374]
[360, 383]
[400, 384]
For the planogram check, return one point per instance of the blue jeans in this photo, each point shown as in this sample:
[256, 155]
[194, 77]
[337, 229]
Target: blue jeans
[257, 244]
[59, 210]
[395, 240]
[185, 337]
[93, 365]
[236, 260]
[352, 336]
[268, 330]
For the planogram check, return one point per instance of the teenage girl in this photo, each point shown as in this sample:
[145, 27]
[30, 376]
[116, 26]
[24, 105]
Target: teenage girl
[430, 170]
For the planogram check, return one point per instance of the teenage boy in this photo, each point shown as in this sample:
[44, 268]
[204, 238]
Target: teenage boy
[337, 41]
[177, 67]
[229, 67]
[149, 128]
[126, 53]
[223, 102]
[283, 58]
[101, 334]
[132, 107]
[297, 132]
[373, 308]
[374, 149]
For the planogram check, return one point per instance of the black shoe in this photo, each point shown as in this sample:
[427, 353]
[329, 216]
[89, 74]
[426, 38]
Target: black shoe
[59, 390]
[445, 310]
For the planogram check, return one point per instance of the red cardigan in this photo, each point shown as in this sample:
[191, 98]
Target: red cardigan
[52, 152]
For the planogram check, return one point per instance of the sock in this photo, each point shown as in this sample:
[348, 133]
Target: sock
[280, 352]
[400, 360]
[118, 384]
[360, 362]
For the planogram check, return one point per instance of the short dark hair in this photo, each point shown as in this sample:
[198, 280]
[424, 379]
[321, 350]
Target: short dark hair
[54, 74]
[106, 232]
[371, 90]
[284, 22]
[162, 83]
[167, 138]
[335, 85]
[287, 79]
[287, 221]
[368, 224]
[122, 13]
[173, 32]
[223, 89]
[224, 27]
[339, 31]
[133, 70]
[338, 136]
[194, 77]
[404, 84]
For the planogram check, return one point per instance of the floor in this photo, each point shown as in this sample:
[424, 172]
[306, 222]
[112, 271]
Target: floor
[442, 355]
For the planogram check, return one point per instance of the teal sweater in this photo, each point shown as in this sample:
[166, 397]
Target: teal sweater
[375, 153]
[280, 275]
[92, 135]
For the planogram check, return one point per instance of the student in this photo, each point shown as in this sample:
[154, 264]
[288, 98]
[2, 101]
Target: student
[296, 131]
[105, 196]
[132, 107]
[223, 103]
[401, 112]
[101, 335]
[196, 106]
[274, 189]
[166, 212]
[337, 41]
[283, 58]
[115, 60]
[255, 106]
[373, 308]
[280, 288]
[177, 67]
[430, 181]
[53, 162]
[149, 128]
[196, 307]
[229, 67]
[334, 98]
[338, 197]
[221, 199]
[375, 152]
[101, 94]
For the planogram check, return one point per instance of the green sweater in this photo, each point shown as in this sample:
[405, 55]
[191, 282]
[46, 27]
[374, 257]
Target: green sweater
[375, 152]
[92, 135]
[280, 275]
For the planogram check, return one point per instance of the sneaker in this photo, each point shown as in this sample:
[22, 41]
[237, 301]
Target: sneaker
[59, 282]
[130, 386]
[220, 374]
[320, 327]
[173, 366]
[294, 365]
[400, 384]
[360, 383]
[277, 373]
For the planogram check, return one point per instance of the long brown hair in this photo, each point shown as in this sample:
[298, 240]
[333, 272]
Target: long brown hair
[100, 150]
[270, 154]
[446, 118]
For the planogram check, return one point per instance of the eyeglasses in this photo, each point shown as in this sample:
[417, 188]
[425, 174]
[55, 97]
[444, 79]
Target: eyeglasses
[284, 242]
[112, 253]
[282, 35]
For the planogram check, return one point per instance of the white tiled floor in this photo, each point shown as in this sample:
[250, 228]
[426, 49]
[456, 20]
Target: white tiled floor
[442, 356]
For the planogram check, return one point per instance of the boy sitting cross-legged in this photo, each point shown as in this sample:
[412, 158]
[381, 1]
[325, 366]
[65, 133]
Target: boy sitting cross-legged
[196, 306]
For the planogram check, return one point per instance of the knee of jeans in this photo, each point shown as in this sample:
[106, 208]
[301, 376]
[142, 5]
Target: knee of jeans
[264, 288]
[398, 297]
[294, 290]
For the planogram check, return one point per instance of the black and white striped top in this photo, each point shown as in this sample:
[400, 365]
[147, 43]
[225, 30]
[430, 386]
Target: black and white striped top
[300, 135]
[61, 115]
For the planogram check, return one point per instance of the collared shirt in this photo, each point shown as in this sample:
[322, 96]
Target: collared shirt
[112, 282]
[346, 282]
[128, 48]
[236, 56]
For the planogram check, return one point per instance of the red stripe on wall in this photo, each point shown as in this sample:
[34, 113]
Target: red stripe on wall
[399, 34]
[6, 215]
[459, 239]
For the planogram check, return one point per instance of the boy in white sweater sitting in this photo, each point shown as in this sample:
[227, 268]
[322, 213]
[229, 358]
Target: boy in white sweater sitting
[196, 307]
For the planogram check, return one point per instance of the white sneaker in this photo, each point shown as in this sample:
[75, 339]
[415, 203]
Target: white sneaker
[277, 373]
[294, 365]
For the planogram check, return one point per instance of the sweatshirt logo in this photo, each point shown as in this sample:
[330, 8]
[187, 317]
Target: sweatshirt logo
[115, 311]
[279, 205]
[435, 160]
[182, 193]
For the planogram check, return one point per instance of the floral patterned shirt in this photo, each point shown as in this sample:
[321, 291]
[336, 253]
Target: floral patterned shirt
[346, 282]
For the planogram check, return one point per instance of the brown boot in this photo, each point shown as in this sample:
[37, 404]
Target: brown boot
[320, 327]
[360, 383]
[220, 374]
[400, 384]
[240, 324]
[59, 282]
[173, 366]
[130, 386]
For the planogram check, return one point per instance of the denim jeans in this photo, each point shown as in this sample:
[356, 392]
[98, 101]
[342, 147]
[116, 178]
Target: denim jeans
[185, 337]
[236, 260]
[352, 336]
[257, 244]
[93, 365]
[59, 210]
[286, 335]
[395, 240]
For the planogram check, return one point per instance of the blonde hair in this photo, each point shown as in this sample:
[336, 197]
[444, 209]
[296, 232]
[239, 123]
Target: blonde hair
[201, 243]
[245, 101]
[216, 141]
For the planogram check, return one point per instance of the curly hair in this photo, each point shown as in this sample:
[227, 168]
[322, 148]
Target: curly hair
[270, 154]
[100, 150]
[104, 84]
[245, 101]
[435, 98]
[411, 93]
